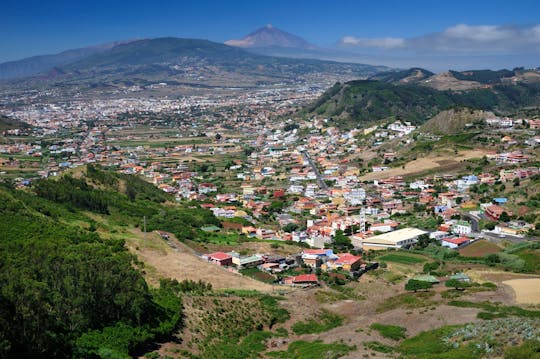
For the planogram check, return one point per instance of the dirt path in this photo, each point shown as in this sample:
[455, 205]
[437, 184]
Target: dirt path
[164, 261]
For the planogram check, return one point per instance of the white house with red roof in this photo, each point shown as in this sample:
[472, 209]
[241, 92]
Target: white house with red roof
[302, 280]
[455, 242]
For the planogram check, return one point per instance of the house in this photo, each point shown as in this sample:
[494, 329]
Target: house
[219, 258]
[455, 242]
[315, 257]
[345, 261]
[205, 188]
[387, 226]
[302, 280]
[402, 238]
[246, 262]
[462, 228]
[495, 211]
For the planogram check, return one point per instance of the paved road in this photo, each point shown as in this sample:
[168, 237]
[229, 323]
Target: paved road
[320, 180]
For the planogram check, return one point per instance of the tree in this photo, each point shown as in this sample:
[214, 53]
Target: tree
[415, 285]
[456, 284]
[290, 227]
[504, 217]
[341, 241]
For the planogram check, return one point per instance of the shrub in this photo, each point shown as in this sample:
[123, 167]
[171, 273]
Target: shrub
[393, 332]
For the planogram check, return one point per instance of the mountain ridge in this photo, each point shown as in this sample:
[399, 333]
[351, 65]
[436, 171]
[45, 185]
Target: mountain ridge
[271, 36]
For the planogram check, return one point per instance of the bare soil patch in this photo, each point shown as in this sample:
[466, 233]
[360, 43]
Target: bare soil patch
[479, 249]
[426, 164]
[527, 291]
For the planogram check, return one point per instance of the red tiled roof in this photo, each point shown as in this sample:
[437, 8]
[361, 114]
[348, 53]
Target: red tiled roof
[457, 241]
[348, 258]
[305, 278]
[218, 256]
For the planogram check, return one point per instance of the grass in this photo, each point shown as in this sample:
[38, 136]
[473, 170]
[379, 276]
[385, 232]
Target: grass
[401, 258]
[393, 332]
[258, 275]
[492, 311]
[378, 347]
[301, 349]
[479, 249]
[407, 300]
[323, 323]
[532, 260]
[430, 345]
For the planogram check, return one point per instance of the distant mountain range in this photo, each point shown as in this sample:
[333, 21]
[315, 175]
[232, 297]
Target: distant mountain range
[186, 62]
[37, 64]
[459, 80]
[270, 36]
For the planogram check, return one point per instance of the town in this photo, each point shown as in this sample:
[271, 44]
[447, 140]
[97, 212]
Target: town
[309, 182]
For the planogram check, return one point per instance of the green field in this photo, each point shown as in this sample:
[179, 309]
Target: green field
[401, 258]
[258, 275]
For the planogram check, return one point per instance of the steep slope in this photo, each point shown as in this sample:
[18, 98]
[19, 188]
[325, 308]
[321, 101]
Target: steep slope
[453, 121]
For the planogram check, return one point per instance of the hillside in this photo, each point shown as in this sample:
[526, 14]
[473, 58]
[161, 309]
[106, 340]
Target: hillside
[7, 123]
[180, 62]
[43, 63]
[366, 101]
[453, 121]
[410, 76]
[459, 80]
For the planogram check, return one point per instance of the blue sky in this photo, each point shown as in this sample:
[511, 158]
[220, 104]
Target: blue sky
[385, 29]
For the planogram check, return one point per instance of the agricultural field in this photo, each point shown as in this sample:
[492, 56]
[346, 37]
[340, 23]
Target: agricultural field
[402, 258]
[479, 249]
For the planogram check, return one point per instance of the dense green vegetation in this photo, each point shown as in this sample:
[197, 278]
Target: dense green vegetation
[61, 286]
[367, 101]
[393, 332]
[483, 76]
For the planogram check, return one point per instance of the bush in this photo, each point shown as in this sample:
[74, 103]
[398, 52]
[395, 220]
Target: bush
[416, 285]
[393, 332]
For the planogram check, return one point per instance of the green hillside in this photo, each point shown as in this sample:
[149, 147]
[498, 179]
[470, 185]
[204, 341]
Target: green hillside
[366, 101]
[65, 290]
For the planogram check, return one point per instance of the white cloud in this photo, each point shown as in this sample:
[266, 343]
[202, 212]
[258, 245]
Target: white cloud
[479, 33]
[383, 43]
[460, 39]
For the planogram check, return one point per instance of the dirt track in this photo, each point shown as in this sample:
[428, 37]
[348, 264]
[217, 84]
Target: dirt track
[164, 261]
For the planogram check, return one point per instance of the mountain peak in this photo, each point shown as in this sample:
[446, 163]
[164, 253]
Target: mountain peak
[271, 36]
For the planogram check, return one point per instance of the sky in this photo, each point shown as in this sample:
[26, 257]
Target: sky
[433, 33]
